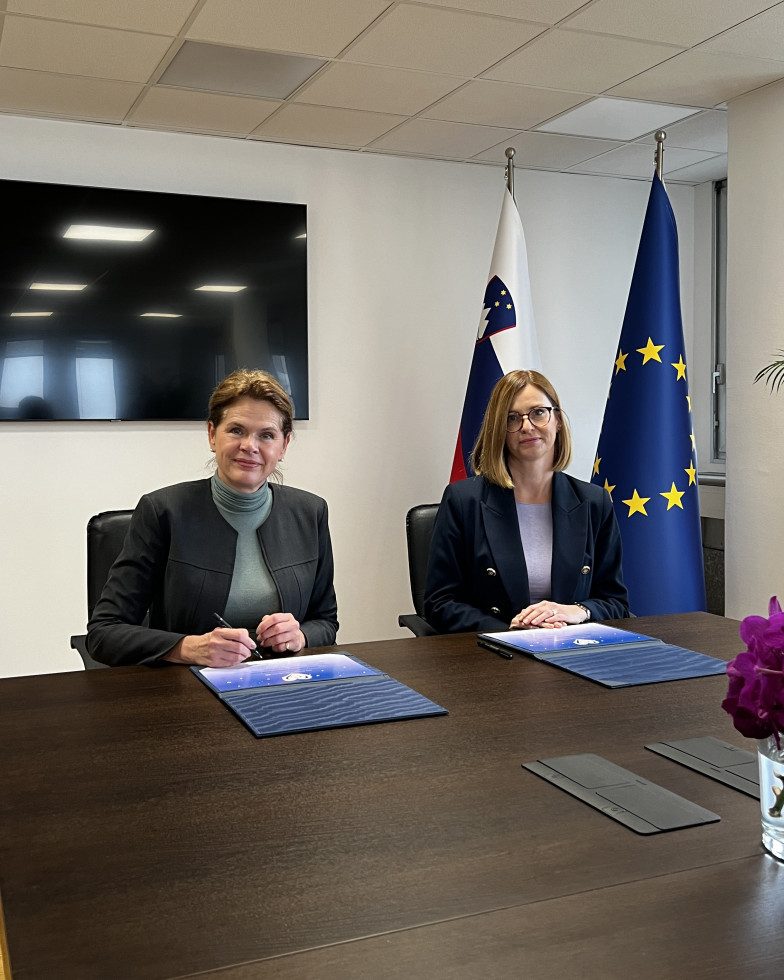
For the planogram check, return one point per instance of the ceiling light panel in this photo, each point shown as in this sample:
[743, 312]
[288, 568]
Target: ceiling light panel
[239, 71]
[616, 119]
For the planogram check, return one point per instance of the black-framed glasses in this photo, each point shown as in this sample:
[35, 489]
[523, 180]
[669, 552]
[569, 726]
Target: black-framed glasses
[538, 417]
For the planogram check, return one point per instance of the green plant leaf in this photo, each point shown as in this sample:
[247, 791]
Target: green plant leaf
[772, 374]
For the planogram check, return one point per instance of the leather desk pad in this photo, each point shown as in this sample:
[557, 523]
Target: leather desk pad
[721, 761]
[621, 794]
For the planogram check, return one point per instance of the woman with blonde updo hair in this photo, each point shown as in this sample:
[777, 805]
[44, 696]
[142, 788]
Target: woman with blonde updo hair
[229, 549]
[522, 544]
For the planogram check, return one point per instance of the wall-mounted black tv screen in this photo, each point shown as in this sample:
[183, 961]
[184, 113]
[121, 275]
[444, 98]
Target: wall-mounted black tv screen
[120, 304]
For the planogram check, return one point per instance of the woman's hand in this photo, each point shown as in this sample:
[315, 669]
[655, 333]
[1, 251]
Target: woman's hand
[280, 632]
[220, 648]
[548, 615]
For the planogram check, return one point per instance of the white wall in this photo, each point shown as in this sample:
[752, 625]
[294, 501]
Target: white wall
[755, 336]
[398, 257]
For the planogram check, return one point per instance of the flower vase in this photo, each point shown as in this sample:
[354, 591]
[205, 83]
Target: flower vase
[771, 773]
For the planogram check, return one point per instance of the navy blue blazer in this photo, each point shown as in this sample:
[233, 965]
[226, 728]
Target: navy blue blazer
[477, 578]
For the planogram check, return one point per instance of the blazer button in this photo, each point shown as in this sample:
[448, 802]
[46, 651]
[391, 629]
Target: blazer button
[491, 572]
[585, 569]
[495, 610]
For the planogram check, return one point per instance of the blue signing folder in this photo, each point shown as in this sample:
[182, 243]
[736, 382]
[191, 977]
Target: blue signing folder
[605, 654]
[301, 694]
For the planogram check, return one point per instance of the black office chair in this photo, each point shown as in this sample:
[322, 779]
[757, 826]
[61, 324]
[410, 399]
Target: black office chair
[419, 531]
[105, 536]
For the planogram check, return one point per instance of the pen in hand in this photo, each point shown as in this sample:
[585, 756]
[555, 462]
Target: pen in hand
[223, 622]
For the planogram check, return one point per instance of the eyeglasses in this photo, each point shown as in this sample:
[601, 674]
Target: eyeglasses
[538, 417]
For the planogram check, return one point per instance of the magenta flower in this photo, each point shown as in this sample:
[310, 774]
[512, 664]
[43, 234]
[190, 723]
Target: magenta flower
[755, 697]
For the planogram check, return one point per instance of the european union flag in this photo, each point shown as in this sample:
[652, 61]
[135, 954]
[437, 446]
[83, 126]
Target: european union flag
[506, 339]
[646, 458]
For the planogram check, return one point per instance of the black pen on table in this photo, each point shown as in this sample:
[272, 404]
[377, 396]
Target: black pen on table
[499, 650]
[502, 653]
[223, 622]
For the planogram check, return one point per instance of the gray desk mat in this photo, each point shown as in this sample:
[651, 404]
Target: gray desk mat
[620, 794]
[719, 760]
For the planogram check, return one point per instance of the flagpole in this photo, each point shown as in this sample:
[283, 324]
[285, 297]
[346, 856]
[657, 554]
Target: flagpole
[647, 438]
[510, 152]
[506, 338]
[660, 137]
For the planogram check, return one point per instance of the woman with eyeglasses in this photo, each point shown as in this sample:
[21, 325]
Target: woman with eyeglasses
[522, 544]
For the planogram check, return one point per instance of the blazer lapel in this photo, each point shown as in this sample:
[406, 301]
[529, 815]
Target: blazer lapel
[570, 526]
[499, 515]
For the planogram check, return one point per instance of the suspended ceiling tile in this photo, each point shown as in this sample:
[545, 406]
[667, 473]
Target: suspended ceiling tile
[502, 104]
[579, 62]
[434, 137]
[241, 71]
[672, 21]
[547, 151]
[156, 16]
[376, 89]
[700, 79]
[326, 125]
[543, 11]
[638, 160]
[699, 173]
[448, 41]
[98, 99]
[201, 111]
[300, 26]
[760, 37]
[74, 49]
[706, 130]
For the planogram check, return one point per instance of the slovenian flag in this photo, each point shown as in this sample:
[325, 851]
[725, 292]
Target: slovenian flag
[646, 459]
[506, 340]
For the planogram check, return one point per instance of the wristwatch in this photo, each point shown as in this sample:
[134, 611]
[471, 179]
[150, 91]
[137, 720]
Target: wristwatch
[587, 611]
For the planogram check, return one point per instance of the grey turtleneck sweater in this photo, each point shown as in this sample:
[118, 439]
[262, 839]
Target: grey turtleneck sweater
[253, 593]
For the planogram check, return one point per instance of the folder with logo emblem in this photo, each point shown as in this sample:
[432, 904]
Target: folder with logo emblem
[301, 694]
[605, 654]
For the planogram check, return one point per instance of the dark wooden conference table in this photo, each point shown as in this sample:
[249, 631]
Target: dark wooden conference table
[144, 832]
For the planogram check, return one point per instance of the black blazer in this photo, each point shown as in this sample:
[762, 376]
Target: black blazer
[477, 578]
[177, 562]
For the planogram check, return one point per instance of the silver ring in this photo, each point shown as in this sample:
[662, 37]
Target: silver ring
[287, 646]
